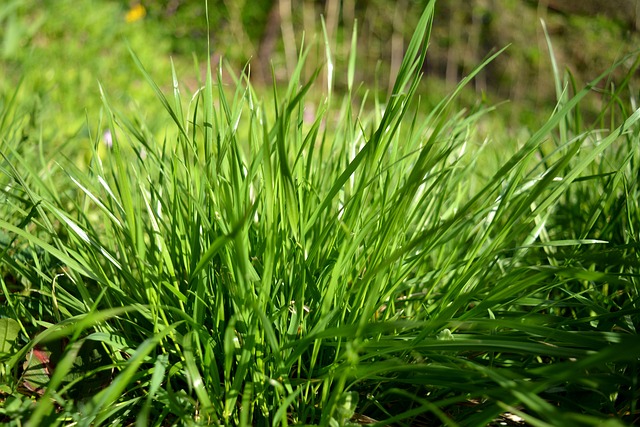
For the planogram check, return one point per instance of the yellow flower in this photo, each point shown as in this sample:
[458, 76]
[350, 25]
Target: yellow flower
[136, 13]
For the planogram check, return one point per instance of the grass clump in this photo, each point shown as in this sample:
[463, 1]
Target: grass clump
[257, 267]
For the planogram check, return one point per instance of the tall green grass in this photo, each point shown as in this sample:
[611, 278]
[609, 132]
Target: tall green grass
[368, 266]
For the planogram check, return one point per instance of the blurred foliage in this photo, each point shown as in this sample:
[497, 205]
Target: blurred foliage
[587, 37]
[61, 49]
[77, 47]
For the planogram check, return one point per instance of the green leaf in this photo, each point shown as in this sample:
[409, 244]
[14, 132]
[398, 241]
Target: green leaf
[37, 370]
[9, 331]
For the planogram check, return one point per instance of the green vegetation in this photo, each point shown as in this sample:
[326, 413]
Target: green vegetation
[314, 257]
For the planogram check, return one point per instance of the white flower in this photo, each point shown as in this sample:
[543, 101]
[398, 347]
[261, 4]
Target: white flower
[107, 138]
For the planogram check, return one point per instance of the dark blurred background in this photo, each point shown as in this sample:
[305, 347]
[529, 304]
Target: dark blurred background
[588, 36]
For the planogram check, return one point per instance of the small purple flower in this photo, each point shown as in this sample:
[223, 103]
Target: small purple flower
[309, 114]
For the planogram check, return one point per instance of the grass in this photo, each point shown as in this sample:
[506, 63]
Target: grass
[58, 53]
[367, 265]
